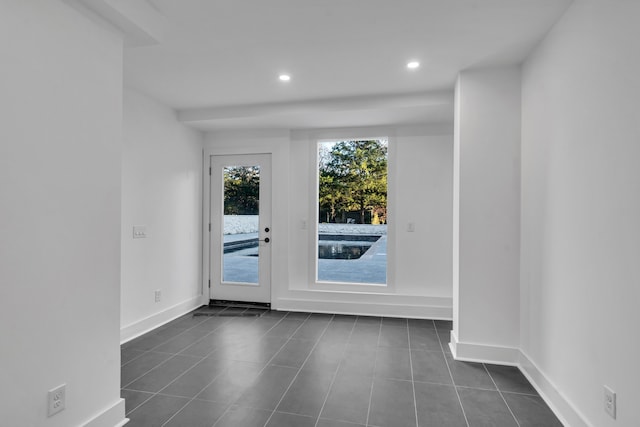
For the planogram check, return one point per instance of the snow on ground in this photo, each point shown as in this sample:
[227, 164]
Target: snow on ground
[243, 224]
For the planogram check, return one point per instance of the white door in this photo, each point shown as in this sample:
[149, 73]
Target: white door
[240, 217]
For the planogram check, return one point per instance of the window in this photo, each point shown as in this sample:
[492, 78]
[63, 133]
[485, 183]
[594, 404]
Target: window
[352, 211]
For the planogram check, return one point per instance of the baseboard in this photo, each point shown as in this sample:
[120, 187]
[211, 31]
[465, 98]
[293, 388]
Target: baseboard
[471, 352]
[566, 411]
[110, 417]
[364, 308]
[149, 323]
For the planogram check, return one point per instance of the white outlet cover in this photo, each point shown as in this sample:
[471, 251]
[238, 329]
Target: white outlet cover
[139, 231]
[57, 399]
[610, 402]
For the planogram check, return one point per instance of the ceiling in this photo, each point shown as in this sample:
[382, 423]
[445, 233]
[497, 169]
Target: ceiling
[218, 61]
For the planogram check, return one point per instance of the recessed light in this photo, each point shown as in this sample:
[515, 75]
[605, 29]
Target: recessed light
[284, 77]
[413, 65]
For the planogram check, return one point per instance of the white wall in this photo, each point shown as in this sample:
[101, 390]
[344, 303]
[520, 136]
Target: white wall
[60, 153]
[162, 190]
[487, 218]
[420, 192]
[580, 211]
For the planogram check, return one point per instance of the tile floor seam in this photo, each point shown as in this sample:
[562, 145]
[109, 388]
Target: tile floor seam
[165, 361]
[264, 367]
[413, 384]
[216, 377]
[500, 393]
[189, 400]
[209, 354]
[464, 413]
[335, 374]
[175, 379]
[175, 336]
[299, 370]
[374, 374]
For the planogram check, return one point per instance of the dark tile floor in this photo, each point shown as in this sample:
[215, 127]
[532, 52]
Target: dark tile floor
[300, 369]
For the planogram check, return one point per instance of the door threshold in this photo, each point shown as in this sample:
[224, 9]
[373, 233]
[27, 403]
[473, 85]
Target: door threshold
[239, 304]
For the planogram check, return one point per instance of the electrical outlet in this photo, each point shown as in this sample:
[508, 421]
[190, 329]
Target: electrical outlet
[158, 295]
[139, 231]
[57, 399]
[610, 402]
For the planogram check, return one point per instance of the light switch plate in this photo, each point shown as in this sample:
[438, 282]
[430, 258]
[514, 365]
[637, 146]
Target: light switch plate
[139, 231]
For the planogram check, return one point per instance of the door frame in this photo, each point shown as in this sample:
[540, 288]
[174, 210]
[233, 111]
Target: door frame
[207, 152]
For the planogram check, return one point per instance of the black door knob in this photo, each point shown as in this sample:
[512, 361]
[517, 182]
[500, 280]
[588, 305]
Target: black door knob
[266, 230]
[266, 240]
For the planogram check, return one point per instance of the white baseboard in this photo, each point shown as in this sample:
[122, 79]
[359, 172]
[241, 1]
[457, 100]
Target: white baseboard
[566, 411]
[149, 323]
[110, 417]
[471, 352]
[364, 308]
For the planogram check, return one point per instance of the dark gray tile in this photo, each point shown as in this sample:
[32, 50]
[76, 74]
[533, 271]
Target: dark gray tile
[155, 411]
[268, 388]
[133, 399]
[298, 315]
[438, 406]
[141, 366]
[280, 419]
[393, 336]
[369, 320]
[229, 385]
[285, 328]
[358, 360]
[197, 378]
[485, 408]
[204, 346]
[182, 341]
[430, 366]
[531, 411]
[275, 314]
[162, 375]
[443, 325]
[238, 416]
[509, 378]
[394, 321]
[393, 363]
[307, 393]
[325, 356]
[365, 335]
[260, 351]
[337, 332]
[421, 324]
[348, 399]
[424, 339]
[155, 338]
[470, 374]
[129, 354]
[293, 353]
[344, 318]
[198, 413]
[324, 422]
[311, 329]
[392, 404]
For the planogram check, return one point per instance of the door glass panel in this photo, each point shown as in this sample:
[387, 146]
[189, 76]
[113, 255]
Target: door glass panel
[241, 209]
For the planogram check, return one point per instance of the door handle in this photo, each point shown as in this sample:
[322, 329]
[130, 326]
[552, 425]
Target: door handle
[266, 240]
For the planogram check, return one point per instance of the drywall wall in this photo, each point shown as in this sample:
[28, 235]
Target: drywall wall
[420, 185]
[487, 201]
[161, 190]
[580, 210]
[60, 153]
